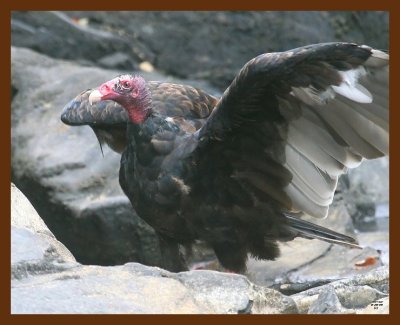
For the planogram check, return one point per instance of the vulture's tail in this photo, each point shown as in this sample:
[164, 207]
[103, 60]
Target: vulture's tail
[310, 230]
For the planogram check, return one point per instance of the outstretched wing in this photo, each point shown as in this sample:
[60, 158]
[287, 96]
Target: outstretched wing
[292, 122]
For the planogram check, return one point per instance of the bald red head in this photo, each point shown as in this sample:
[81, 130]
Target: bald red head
[130, 92]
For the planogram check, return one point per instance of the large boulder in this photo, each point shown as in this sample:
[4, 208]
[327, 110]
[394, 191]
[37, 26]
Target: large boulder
[34, 249]
[135, 288]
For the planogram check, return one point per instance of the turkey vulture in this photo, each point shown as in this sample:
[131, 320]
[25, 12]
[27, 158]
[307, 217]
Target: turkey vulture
[240, 171]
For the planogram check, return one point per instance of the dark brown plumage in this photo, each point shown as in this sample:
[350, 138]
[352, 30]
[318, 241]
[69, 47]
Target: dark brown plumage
[272, 148]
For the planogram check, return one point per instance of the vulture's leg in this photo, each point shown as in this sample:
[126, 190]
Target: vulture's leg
[172, 258]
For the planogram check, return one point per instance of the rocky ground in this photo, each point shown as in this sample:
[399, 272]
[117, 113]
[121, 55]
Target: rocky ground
[47, 279]
[87, 236]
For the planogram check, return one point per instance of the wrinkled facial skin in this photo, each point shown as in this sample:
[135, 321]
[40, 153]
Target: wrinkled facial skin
[118, 88]
[128, 91]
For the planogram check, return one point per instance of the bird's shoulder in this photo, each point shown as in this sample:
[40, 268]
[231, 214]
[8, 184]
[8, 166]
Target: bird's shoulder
[180, 100]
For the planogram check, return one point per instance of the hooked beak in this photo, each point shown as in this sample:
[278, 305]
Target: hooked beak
[95, 96]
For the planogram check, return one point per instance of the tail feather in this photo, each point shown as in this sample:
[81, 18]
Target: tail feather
[310, 230]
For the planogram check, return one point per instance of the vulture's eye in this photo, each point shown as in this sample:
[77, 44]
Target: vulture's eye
[125, 84]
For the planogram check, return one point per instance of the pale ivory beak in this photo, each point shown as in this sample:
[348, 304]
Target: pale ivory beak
[95, 96]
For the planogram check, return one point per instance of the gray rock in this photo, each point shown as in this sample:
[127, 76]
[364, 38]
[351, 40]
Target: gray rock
[326, 303]
[34, 249]
[219, 290]
[358, 296]
[367, 195]
[377, 279]
[99, 290]
[23, 214]
[57, 35]
[117, 60]
[134, 288]
[345, 300]
[374, 172]
[354, 293]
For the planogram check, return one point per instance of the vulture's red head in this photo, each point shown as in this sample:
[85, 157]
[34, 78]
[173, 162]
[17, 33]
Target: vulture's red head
[130, 92]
